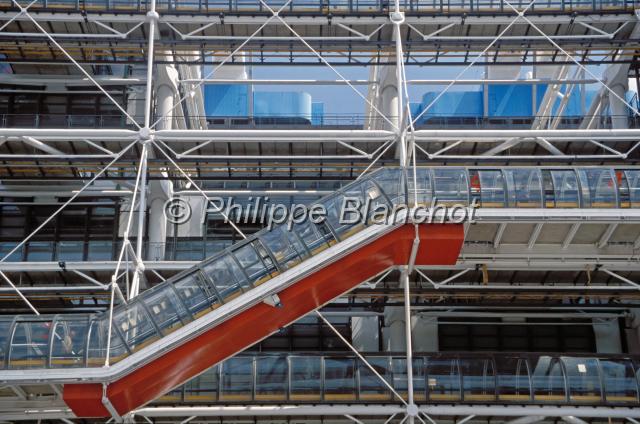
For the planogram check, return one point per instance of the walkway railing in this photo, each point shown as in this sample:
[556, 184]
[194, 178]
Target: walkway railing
[332, 6]
[351, 121]
[64, 341]
[437, 378]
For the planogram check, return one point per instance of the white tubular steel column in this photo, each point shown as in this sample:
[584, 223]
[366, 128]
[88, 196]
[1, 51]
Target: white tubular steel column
[145, 139]
[619, 110]
[412, 409]
[397, 18]
[138, 277]
[161, 191]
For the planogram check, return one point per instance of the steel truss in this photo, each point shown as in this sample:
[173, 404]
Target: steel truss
[394, 39]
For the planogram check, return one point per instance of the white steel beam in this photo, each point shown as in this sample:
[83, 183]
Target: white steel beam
[387, 409]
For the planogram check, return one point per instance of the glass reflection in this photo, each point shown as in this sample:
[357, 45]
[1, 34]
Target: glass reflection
[68, 344]
[547, 379]
[339, 379]
[478, 380]
[371, 387]
[450, 186]
[271, 378]
[443, 379]
[583, 379]
[620, 385]
[483, 379]
[237, 379]
[600, 187]
[306, 378]
[513, 379]
[29, 345]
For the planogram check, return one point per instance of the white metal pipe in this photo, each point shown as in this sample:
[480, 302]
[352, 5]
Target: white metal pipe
[404, 280]
[142, 211]
[67, 133]
[251, 192]
[61, 35]
[152, 17]
[571, 134]
[320, 135]
[364, 135]
[386, 410]
[40, 80]
[402, 140]
[271, 157]
[49, 290]
[314, 82]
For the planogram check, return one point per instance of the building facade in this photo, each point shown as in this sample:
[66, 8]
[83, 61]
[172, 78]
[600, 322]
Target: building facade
[320, 211]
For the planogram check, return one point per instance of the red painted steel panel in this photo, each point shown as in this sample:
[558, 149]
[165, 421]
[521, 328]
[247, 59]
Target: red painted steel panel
[440, 245]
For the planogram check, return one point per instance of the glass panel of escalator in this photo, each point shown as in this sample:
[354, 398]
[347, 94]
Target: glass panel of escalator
[5, 331]
[565, 189]
[226, 276]
[313, 237]
[135, 325]
[371, 387]
[583, 379]
[492, 189]
[203, 388]
[342, 228]
[284, 246]
[374, 198]
[166, 309]
[443, 379]
[29, 344]
[251, 258]
[237, 379]
[353, 207]
[339, 379]
[513, 379]
[478, 379]
[391, 180]
[69, 341]
[525, 187]
[271, 378]
[193, 295]
[306, 378]
[399, 369]
[620, 385]
[547, 379]
[450, 186]
[598, 187]
[97, 347]
[633, 180]
[424, 190]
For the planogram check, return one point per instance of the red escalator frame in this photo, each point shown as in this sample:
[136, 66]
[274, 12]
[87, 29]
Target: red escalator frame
[440, 245]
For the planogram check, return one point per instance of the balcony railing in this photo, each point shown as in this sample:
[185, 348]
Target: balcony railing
[333, 6]
[342, 121]
[437, 378]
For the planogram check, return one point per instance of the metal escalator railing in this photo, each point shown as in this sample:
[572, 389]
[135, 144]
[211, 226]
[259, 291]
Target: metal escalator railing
[76, 341]
[479, 377]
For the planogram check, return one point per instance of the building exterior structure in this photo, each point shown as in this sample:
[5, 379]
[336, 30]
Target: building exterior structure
[144, 146]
